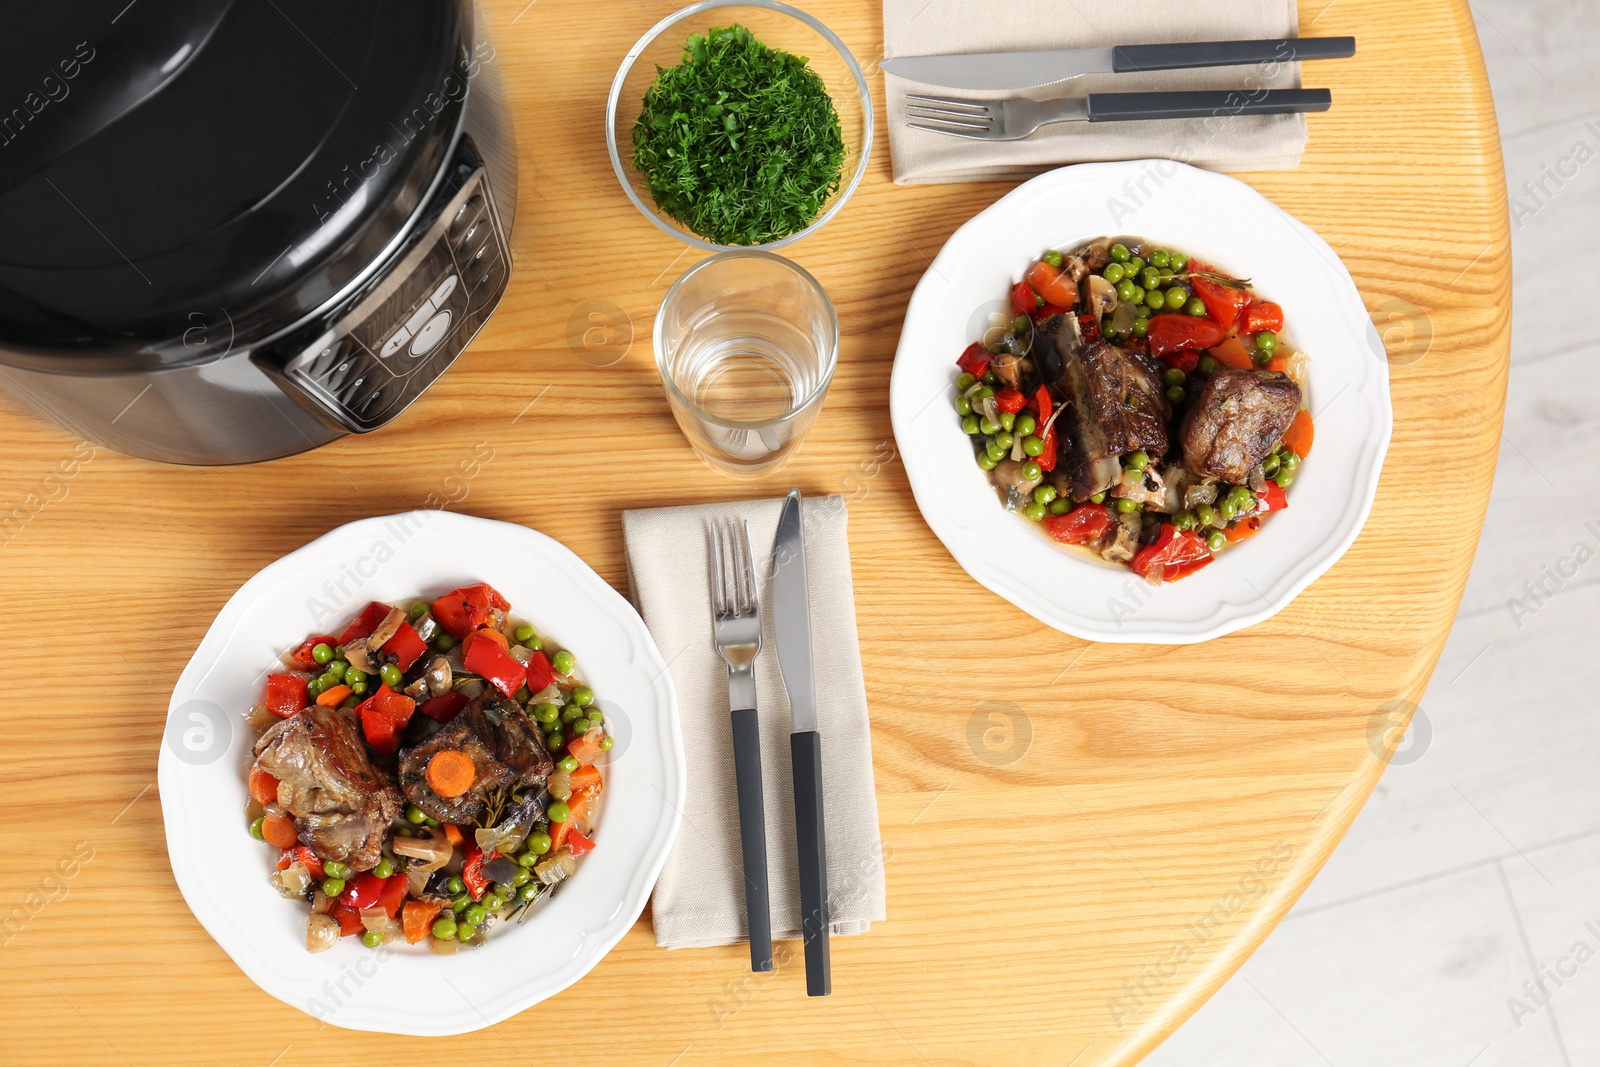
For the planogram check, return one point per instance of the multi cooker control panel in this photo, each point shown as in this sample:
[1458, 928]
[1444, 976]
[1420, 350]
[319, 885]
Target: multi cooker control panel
[396, 341]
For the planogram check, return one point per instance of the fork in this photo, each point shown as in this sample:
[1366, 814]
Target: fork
[736, 623]
[1014, 119]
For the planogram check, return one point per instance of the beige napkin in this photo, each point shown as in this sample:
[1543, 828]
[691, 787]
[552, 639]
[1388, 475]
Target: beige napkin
[699, 898]
[939, 27]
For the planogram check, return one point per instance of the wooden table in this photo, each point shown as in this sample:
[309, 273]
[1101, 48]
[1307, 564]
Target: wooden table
[1068, 899]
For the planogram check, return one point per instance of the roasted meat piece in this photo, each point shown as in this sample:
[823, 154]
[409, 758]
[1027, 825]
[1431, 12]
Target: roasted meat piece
[506, 749]
[340, 802]
[1115, 404]
[1235, 421]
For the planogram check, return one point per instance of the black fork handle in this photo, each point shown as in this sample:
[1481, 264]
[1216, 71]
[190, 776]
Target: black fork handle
[753, 835]
[1219, 103]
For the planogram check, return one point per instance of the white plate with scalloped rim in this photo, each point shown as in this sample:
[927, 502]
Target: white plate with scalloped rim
[223, 871]
[1222, 221]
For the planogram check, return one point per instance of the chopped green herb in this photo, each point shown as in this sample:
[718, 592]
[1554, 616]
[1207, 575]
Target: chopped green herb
[740, 142]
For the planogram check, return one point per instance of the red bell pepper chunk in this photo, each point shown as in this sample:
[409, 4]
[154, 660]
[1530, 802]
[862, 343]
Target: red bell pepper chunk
[285, 695]
[1048, 311]
[302, 656]
[1086, 524]
[443, 707]
[1043, 406]
[541, 675]
[1041, 401]
[975, 360]
[371, 615]
[484, 655]
[1175, 555]
[405, 646]
[466, 609]
[1272, 498]
[287, 856]
[1170, 334]
[1263, 316]
[1024, 301]
[1223, 304]
[472, 871]
[349, 919]
[577, 844]
[1010, 400]
[383, 715]
[363, 890]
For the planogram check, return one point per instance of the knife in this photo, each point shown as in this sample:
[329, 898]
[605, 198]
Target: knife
[1027, 70]
[791, 624]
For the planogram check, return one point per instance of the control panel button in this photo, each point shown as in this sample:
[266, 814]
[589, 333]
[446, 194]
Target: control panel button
[420, 316]
[432, 332]
[395, 343]
[446, 287]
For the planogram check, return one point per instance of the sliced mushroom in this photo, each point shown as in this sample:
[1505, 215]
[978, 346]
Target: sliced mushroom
[428, 852]
[387, 628]
[1100, 296]
[438, 676]
[418, 690]
[1009, 480]
[426, 627]
[358, 654]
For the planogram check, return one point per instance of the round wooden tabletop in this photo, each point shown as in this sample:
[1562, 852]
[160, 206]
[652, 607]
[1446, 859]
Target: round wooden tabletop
[1082, 841]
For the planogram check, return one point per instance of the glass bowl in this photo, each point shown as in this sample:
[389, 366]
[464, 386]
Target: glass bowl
[776, 25]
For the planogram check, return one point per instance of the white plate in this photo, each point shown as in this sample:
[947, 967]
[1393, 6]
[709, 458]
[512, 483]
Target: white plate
[1224, 222]
[205, 754]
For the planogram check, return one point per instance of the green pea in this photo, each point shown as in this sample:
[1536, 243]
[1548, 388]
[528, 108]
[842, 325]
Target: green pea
[1025, 425]
[1284, 479]
[444, 929]
[538, 843]
[1155, 299]
[466, 932]
[983, 392]
[338, 669]
[963, 405]
[1175, 394]
[1138, 461]
[1060, 506]
[1183, 520]
[990, 380]
[1177, 298]
[606, 743]
[255, 828]
[1216, 540]
[1289, 461]
[460, 902]
[1044, 494]
[391, 676]
[546, 714]
[1227, 510]
[1031, 471]
[567, 763]
[1241, 497]
[454, 885]
[965, 381]
[1008, 420]
[372, 939]
[443, 642]
[322, 652]
[1160, 258]
[1267, 341]
[1034, 511]
[1111, 336]
[1098, 498]
[1114, 273]
[1120, 253]
[475, 915]
[558, 812]
[1021, 325]
[1207, 366]
[332, 887]
[988, 425]
[1142, 311]
[582, 696]
[327, 680]
[335, 869]
[353, 677]
[1269, 466]
[314, 687]
[1205, 515]
[563, 662]
[969, 425]
[1149, 277]
[995, 452]
[1127, 506]
[1141, 326]
[1135, 264]
[1173, 376]
[415, 815]
[1196, 307]
[1125, 291]
[528, 892]
[1052, 257]
[987, 462]
[1005, 439]
[1177, 261]
[1137, 295]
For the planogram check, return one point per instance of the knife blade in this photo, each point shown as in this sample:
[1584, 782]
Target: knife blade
[791, 625]
[982, 71]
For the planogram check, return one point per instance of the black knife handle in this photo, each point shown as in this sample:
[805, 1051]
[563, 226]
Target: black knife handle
[806, 749]
[1220, 103]
[753, 836]
[1126, 58]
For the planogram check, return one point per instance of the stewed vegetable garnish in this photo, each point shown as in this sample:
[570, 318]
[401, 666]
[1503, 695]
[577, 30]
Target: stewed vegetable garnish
[433, 826]
[1137, 402]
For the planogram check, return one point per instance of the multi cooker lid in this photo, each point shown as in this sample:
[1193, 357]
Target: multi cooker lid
[184, 178]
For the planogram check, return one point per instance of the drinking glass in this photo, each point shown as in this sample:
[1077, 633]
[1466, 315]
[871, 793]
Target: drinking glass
[746, 343]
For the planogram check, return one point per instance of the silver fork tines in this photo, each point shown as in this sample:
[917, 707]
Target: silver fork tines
[735, 599]
[996, 120]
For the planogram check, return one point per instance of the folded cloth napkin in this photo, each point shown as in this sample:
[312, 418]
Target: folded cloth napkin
[1244, 142]
[699, 898]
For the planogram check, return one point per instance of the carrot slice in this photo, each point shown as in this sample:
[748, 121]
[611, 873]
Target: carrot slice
[452, 833]
[263, 786]
[279, 831]
[1297, 438]
[417, 918]
[585, 777]
[451, 772]
[332, 698]
[1232, 353]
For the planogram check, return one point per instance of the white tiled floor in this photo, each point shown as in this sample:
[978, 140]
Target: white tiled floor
[1459, 922]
